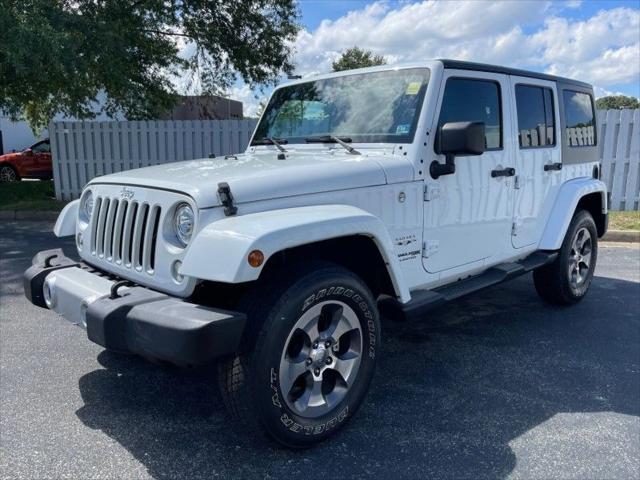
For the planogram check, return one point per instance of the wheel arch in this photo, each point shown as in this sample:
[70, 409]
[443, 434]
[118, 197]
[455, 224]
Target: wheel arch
[357, 253]
[342, 234]
[578, 194]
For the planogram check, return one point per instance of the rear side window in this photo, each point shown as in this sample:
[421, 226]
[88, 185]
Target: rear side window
[536, 124]
[471, 100]
[579, 118]
[43, 147]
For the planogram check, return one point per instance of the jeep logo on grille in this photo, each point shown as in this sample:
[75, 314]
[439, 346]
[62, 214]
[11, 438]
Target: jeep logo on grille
[126, 193]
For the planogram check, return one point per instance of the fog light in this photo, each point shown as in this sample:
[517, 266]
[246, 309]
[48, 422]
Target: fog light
[255, 258]
[48, 292]
[175, 267]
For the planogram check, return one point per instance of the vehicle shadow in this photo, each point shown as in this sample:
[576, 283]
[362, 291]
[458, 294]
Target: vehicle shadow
[450, 396]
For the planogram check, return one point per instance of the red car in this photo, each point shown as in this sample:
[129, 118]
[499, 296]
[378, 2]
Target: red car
[33, 162]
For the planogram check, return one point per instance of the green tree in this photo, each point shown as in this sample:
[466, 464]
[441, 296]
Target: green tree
[617, 102]
[357, 58]
[56, 56]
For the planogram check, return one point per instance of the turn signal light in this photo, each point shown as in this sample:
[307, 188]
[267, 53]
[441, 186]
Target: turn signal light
[255, 258]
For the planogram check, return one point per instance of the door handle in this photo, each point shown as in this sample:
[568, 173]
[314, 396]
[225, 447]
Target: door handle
[505, 172]
[552, 166]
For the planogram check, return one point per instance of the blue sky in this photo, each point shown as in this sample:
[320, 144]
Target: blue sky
[596, 41]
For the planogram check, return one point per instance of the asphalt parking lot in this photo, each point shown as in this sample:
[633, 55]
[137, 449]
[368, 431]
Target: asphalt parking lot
[497, 385]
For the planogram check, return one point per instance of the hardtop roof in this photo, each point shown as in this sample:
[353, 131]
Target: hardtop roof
[483, 67]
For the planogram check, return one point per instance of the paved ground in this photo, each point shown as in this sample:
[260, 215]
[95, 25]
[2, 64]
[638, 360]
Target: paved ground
[495, 386]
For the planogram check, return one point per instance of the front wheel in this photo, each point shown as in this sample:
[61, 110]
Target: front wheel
[308, 356]
[8, 174]
[567, 280]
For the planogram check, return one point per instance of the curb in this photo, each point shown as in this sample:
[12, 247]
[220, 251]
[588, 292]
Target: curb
[630, 236]
[31, 215]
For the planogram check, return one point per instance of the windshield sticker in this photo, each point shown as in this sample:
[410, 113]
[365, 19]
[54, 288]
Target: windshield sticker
[403, 129]
[413, 88]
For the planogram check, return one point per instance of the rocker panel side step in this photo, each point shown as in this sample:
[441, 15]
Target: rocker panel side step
[423, 300]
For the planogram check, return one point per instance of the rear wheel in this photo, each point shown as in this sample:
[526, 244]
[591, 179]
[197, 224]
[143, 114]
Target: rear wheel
[308, 356]
[8, 174]
[567, 279]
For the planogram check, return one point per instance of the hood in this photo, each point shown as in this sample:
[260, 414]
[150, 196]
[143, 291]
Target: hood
[261, 176]
[11, 156]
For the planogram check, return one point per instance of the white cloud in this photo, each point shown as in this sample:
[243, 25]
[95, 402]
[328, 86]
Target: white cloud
[422, 30]
[250, 99]
[602, 92]
[603, 49]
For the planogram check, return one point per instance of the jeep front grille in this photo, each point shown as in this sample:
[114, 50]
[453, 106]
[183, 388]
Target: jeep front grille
[124, 232]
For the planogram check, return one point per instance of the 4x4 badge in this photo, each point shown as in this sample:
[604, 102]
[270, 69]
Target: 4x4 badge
[126, 193]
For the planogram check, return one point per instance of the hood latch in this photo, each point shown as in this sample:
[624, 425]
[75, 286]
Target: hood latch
[224, 191]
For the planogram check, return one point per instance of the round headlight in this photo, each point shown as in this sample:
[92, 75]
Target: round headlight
[86, 207]
[183, 223]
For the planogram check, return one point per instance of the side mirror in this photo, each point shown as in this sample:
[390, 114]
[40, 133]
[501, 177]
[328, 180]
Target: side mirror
[28, 152]
[454, 139]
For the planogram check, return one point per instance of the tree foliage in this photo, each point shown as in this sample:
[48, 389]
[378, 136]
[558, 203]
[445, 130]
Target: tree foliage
[617, 102]
[56, 56]
[357, 58]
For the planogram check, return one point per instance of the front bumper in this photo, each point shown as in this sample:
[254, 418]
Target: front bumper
[130, 318]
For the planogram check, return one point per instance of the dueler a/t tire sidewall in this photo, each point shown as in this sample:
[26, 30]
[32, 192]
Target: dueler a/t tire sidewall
[583, 219]
[277, 418]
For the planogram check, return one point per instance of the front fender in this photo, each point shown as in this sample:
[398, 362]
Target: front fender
[219, 251]
[66, 222]
[565, 206]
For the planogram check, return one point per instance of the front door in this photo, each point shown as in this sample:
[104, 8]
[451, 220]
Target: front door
[538, 157]
[468, 215]
[42, 155]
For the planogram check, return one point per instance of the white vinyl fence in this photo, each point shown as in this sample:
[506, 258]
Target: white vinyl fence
[619, 146]
[84, 150]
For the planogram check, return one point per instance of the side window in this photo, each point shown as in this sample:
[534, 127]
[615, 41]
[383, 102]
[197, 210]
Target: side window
[579, 117]
[471, 100]
[536, 125]
[43, 147]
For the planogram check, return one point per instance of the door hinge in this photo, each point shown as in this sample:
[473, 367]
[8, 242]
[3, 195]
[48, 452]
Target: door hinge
[515, 227]
[431, 191]
[430, 248]
[516, 182]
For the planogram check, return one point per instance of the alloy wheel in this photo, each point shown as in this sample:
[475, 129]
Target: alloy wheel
[7, 174]
[580, 257]
[321, 359]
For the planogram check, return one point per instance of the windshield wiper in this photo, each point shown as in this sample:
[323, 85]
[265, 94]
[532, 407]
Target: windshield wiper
[333, 139]
[277, 142]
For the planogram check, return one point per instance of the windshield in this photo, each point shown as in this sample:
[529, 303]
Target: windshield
[367, 107]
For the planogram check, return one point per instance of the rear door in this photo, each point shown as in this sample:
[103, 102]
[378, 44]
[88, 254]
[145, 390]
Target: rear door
[468, 214]
[538, 157]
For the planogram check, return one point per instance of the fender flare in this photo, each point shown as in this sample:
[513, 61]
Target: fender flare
[66, 222]
[565, 206]
[219, 251]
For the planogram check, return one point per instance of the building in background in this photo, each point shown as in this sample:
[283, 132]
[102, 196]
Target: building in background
[205, 107]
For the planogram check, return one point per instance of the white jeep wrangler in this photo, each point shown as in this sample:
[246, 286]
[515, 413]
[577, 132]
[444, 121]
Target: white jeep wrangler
[388, 188]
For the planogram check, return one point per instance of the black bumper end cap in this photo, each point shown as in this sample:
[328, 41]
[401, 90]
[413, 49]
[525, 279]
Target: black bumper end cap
[158, 326]
[42, 264]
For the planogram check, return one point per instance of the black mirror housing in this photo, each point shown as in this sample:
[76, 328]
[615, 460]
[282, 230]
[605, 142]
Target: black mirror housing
[461, 138]
[457, 138]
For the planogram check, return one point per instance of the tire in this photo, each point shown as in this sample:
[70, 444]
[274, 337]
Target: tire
[566, 281]
[279, 383]
[8, 174]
